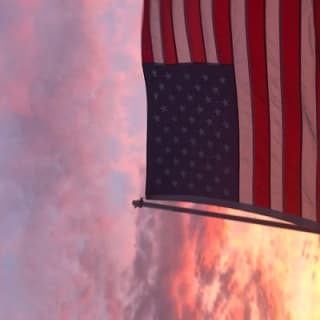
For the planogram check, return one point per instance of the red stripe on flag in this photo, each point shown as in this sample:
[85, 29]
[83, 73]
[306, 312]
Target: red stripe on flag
[222, 30]
[146, 47]
[291, 99]
[260, 101]
[317, 29]
[169, 48]
[194, 29]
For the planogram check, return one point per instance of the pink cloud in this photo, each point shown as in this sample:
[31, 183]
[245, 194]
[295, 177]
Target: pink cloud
[64, 98]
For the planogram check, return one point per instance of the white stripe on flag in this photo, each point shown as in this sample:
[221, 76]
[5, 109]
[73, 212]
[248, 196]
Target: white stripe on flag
[155, 28]
[207, 30]
[239, 40]
[309, 116]
[180, 31]
[275, 103]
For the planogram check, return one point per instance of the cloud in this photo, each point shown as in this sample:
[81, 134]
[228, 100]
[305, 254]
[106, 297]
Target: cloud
[164, 280]
[66, 243]
[194, 268]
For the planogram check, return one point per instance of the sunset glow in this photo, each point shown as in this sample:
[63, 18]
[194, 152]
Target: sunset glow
[72, 158]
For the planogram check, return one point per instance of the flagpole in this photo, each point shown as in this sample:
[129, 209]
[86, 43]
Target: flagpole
[270, 213]
[141, 203]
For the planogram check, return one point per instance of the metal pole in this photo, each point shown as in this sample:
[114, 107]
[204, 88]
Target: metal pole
[141, 203]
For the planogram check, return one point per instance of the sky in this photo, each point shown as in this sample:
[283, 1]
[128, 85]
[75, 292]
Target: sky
[72, 158]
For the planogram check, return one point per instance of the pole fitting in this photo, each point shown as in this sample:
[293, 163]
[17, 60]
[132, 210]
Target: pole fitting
[138, 203]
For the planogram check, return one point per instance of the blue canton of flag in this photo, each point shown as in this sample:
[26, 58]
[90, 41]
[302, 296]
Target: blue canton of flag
[192, 147]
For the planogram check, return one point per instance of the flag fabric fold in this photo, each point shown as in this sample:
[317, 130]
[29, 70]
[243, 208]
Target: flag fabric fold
[233, 103]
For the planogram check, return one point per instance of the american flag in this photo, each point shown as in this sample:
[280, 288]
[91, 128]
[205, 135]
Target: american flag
[233, 91]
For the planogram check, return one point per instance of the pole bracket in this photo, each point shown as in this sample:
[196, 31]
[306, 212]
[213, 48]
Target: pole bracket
[138, 203]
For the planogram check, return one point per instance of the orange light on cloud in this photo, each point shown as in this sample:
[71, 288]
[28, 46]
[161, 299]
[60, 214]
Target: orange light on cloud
[239, 271]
